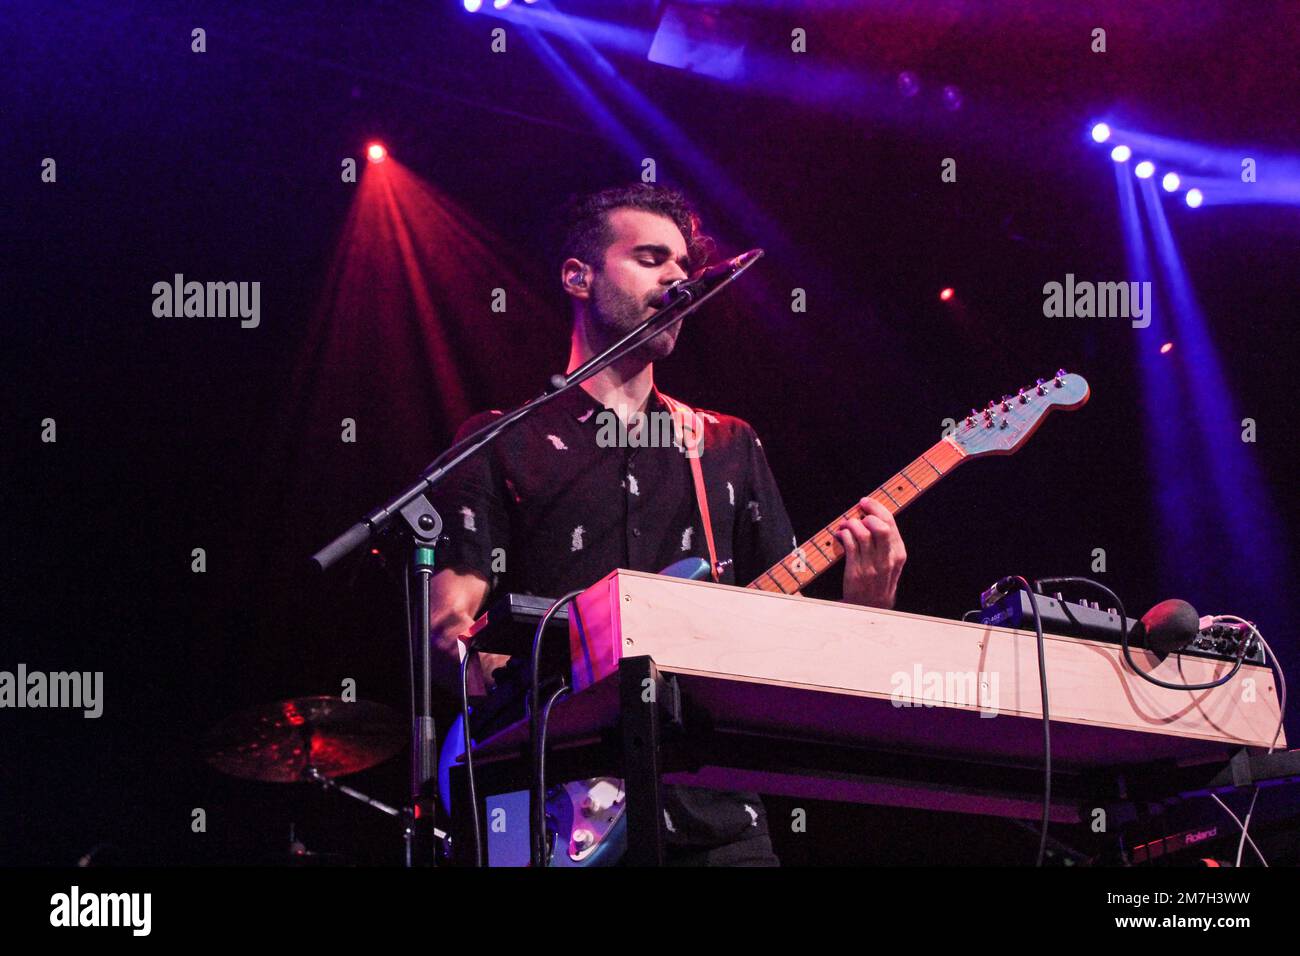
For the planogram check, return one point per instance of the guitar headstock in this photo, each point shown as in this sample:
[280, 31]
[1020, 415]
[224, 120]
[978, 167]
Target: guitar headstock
[1003, 426]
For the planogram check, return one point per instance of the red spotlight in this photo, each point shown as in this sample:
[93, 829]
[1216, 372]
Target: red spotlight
[376, 153]
[946, 294]
[1166, 348]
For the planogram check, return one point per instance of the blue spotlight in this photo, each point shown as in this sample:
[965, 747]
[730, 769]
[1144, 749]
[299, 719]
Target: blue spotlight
[1121, 153]
[1145, 169]
[1241, 520]
[473, 5]
[500, 4]
[1100, 133]
[908, 83]
[1194, 198]
[952, 98]
[1170, 182]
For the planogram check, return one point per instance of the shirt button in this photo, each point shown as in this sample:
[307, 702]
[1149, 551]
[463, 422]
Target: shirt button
[636, 532]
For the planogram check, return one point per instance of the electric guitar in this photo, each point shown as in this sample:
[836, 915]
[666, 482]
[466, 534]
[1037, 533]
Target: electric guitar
[587, 816]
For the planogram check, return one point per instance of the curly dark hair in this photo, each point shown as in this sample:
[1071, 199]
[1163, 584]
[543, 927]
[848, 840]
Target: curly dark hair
[586, 233]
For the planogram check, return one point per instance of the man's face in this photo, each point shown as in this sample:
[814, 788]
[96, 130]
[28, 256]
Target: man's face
[647, 255]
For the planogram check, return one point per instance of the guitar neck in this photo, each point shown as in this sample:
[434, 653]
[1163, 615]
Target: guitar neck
[823, 551]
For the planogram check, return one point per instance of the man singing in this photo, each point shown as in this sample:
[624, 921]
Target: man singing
[566, 508]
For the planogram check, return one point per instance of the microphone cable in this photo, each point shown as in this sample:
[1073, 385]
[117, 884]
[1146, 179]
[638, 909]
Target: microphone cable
[1125, 633]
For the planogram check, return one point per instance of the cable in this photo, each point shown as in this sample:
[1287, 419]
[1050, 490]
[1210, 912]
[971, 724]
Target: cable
[1237, 820]
[1240, 658]
[1277, 669]
[410, 633]
[414, 678]
[541, 761]
[469, 749]
[1004, 586]
[537, 817]
[1245, 828]
[1124, 637]
[1047, 720]
[1272, 663]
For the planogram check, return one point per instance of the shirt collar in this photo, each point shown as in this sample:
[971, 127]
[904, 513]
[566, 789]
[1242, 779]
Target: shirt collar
[581, 406]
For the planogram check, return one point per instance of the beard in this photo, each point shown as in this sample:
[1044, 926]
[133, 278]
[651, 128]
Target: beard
[614, 313]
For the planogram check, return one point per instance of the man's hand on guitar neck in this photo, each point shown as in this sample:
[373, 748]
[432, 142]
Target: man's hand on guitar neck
[873, 556]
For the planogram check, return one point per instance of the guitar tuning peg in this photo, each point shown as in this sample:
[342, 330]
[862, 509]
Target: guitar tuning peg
[1024, 399]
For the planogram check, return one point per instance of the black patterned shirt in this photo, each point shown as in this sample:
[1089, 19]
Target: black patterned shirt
[562, 498]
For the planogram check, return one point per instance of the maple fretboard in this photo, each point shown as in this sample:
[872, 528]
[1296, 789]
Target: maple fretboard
[823, 550]
[1000, 429]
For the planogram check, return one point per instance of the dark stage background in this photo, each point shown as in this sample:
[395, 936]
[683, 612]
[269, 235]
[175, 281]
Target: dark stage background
[183, 433]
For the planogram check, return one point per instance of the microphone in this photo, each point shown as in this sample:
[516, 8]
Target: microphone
[704, 281]
[1170, 626]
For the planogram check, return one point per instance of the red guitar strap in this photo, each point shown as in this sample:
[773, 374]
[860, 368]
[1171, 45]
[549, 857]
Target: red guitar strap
[689, 429]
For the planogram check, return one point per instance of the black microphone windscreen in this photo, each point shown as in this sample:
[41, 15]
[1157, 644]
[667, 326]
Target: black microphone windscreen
[1171, 625]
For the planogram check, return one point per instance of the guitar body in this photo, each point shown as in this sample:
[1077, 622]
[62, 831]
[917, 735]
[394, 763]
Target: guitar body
[586, 822]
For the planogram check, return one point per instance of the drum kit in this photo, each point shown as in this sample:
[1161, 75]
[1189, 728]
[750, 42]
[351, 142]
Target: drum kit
[312, 740]
[318, 740]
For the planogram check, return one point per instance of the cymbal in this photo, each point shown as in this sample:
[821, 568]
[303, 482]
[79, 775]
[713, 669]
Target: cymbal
[277, 742]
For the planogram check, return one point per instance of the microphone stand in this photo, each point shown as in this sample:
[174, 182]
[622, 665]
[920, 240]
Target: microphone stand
[423, 524]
